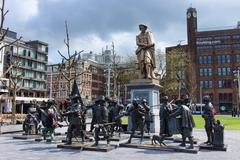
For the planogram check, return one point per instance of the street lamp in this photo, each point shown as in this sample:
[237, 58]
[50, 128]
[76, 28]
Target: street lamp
[201, 99]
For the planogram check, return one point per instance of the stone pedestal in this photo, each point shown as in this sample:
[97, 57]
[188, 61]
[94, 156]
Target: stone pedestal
[149, 90]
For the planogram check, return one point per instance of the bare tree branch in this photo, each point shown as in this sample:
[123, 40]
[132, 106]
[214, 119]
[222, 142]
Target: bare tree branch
[62, 55]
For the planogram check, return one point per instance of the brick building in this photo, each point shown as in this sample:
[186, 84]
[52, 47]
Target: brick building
[215, 54]
[91, 83]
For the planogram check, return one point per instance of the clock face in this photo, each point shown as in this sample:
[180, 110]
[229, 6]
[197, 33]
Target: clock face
[194, 14]
[189, 15]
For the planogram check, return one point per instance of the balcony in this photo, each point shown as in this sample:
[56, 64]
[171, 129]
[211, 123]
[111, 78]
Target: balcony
[4, 84]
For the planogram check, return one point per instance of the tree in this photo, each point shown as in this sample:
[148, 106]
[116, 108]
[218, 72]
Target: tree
[13, 71]
[177, 63]
[126, 73]
[71, 68]
[160, 66]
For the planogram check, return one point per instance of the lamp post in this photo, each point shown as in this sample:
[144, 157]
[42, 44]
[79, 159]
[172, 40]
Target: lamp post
[108, 80]
[201, 98]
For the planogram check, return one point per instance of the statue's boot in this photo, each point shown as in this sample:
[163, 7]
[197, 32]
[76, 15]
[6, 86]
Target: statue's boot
[130, 140]
[69, 141]
[191, 143]
[96, 143]
[183, 144]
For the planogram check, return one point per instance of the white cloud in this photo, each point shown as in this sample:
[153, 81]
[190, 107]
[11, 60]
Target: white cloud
[21, 11]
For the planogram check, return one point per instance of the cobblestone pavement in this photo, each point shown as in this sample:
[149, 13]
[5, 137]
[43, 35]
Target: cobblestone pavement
[30, 150]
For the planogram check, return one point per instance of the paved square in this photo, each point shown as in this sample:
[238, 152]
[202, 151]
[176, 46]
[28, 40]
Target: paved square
[30, 150]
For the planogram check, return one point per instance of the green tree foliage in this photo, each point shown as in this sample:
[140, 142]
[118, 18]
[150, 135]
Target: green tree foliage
[177, 62]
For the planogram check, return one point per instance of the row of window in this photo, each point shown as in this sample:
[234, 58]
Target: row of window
[221, 84]
[206, 72]
[224, 58]
[33, 74]
[31, 53]
[224, 37]
[205, 59]
[221, 59]
[220, 46]
[33, 84]
[206, 84]
[225, 71]
[33, 64]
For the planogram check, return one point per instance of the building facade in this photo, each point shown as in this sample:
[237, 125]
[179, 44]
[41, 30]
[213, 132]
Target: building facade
[32, 58]
[57, 85]
[215, 55]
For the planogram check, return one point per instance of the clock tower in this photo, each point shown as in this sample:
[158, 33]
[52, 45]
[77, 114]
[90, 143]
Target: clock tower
[191, 28]
[192, 49]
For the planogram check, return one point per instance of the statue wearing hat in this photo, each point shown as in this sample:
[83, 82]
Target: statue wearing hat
[100, 117]
[208, 117]
[76, 116]
[145, 53]
[186, 122]
[165, 109]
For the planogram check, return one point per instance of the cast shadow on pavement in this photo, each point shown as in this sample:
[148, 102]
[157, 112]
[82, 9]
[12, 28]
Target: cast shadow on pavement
[52, 149]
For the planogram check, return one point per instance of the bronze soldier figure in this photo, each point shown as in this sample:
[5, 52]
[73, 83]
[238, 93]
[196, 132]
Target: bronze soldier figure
[208, 116]
[138, 113]
[115, 112]
[186, 122]
[100, 116]
[165, 110]
[76, 118]
[148, 115]
[30, 124]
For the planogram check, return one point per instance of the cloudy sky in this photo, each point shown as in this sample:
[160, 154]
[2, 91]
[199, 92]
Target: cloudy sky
[93, 24]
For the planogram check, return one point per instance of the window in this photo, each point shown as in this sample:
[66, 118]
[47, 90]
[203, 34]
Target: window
[206, 84]
[225, 83]
[225, 71]
[24, 52]
[228, 58]
[209, 59]
[205, 59]
[222, 37]
[223, 46]
[238, 58]
[225, 97]
[205, 71]
[224, 58]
